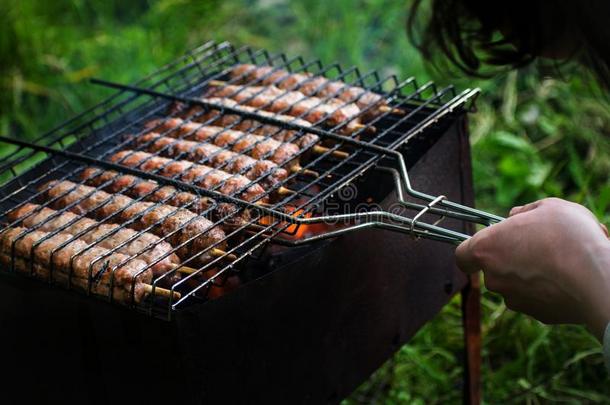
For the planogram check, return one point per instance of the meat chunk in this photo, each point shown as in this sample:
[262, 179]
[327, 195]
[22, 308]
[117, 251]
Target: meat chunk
[257, 146]
[193, 235]
[142, 245]
[229, 215]
[310, 85]
[203, 176]
[264, 172]
[237, 122]
[332, 112]
[136, 187]
[76, 260]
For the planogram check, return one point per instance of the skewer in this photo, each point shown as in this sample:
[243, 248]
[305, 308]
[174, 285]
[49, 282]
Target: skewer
[221, 253]
[320, 150]
[299, 169]
[162, 292]
[185, 269]
[285, 191]
[369, 128]
[217, 83]
[391, 110]
[264, 204]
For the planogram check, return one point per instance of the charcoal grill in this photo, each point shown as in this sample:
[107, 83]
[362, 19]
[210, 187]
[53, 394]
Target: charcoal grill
[305, 300]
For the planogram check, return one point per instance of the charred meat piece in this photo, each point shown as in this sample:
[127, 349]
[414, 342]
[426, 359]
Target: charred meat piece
[264, 172]
[203, 176]
[136, 187]
[193, 235]
[332, 112]
[75, 260]
[114, 182]
[236, 122]
[310, 85]
[141, 245]
[257, 146]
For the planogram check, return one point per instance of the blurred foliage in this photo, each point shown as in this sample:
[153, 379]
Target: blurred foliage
[532, 137]
[542, 137]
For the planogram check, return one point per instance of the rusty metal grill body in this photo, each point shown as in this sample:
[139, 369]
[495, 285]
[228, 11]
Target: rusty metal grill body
[338, 306]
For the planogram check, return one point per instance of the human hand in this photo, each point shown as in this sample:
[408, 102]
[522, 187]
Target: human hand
[550, 259]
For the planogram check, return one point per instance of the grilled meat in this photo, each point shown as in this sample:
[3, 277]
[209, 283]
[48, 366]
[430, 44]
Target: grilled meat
[265, 172]
[135, 187]
[75, 260]
[257, 146]
[204, 176]
[152, 191]
[236, 122]
[142, 245]
[332, 112]
[193, 235]
[310, 85]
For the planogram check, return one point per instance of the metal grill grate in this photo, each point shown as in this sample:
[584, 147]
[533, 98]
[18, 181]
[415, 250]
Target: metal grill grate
[168, 234]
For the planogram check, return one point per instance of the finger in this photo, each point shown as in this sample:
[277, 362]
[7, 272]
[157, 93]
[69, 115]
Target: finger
[465, 258]
[515, 210]
[523, 208]
[605, 230]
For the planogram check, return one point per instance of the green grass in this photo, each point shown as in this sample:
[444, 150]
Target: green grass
[532, 137]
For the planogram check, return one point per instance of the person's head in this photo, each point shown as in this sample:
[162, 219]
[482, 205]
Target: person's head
[475, 35]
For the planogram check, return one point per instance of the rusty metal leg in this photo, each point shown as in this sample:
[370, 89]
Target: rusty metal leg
[471, 294]
[471, 318]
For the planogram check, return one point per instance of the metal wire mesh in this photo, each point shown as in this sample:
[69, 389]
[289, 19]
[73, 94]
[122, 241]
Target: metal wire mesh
[167, 223]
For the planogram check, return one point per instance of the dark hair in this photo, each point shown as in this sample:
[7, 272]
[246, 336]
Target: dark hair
[483, 36]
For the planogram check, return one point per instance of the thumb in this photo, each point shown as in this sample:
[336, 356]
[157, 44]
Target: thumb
[465, 259]
[523, 208]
